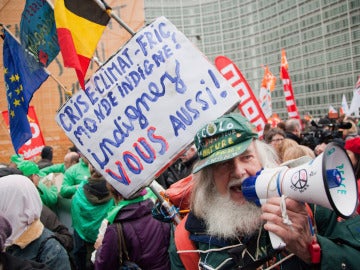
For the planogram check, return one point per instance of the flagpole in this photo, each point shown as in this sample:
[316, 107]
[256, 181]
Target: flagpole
[108, 10]
[67, 92]
[97, 61]
[154, 186]
[50, 4]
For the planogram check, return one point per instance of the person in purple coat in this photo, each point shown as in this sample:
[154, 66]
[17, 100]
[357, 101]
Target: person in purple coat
[147, 239]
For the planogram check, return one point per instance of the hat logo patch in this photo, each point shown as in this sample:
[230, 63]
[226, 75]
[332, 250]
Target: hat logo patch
[222, 143]
[211, 129]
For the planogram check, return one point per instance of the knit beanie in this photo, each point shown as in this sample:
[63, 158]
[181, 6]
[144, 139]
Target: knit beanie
[28, 168]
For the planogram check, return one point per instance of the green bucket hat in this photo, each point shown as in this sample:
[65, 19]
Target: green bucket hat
[28, 168]
[223, 139]
[16, 159]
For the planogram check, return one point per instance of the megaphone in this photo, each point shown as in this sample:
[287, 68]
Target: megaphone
[328, 181]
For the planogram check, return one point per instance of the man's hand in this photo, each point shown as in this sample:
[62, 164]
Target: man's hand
[296, 236]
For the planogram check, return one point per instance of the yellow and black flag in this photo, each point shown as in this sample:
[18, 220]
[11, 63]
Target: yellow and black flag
[80, 25]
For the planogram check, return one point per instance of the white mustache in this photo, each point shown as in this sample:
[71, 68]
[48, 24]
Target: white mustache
[236, 182]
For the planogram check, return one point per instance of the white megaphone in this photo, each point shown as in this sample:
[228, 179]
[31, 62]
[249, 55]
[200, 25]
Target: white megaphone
[328, 181]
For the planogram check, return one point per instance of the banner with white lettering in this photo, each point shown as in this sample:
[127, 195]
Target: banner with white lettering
[32, 147]
[145, 105]
[289, 95]
[288, 90]
[249, 105]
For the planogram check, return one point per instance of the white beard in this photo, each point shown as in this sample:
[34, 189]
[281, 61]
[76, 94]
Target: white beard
[226, 219]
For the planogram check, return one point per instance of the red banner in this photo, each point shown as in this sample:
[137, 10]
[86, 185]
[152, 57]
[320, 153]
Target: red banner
[32, 147]
[289, 95]
[248, 105]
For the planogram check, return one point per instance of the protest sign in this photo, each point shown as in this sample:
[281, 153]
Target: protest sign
[144, 106]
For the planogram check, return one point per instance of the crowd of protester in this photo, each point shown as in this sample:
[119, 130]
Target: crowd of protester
[221, 231]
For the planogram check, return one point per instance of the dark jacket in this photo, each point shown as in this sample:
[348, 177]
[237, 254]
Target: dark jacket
[52, 222]
[10, 262]
[292, 136]
[147, 239]
[176, 171]
[46, 249]
[43, 163]
[339, 241]
[89, 206]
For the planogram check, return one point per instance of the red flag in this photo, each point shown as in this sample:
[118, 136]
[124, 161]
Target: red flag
[80, 24]
[288, 90]
[249, 105]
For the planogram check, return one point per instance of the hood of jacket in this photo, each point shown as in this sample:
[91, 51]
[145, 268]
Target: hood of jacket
[135, 211]
[96, 192]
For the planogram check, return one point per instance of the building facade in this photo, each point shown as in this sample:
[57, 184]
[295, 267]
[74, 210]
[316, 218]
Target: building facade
[321, 39]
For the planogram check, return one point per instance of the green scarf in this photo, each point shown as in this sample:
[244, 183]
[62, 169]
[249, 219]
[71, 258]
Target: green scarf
[115, 209]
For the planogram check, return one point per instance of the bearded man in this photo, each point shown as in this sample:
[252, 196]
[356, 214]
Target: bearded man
[225, 231]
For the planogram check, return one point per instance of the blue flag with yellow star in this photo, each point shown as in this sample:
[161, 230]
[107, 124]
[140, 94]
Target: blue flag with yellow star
[22, 79]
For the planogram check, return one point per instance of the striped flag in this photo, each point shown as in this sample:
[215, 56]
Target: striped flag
[80, 25]
[288, 90]
[249, 105]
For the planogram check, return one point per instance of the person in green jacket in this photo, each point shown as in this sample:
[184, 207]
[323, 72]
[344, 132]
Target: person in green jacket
[74, 176]
[89, 206]
[70, 159]
[226, 231]
[48, 195]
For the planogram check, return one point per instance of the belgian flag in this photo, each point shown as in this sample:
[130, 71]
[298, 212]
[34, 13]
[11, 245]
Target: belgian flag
[79, 24]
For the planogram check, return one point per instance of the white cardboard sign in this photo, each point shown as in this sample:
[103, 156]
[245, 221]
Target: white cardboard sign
[145, 105]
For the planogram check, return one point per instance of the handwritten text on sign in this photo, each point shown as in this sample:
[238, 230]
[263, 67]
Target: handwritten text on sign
[144, 105]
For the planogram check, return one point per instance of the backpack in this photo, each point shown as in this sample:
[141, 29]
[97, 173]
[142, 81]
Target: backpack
[179, 194]
[183, 242]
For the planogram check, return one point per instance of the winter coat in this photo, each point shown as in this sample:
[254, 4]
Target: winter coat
[48, 195]
[292, 136]
[89, 207]
[339, 242]
[46, 249]
[8, 261]
[43, 163]
[56, 168]
[73, 176]
[52, 222]
[147, 239]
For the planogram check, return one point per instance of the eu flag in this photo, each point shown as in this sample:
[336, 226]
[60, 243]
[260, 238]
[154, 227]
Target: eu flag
[22, 79]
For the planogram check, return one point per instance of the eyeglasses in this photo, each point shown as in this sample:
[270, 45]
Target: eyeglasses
[277, 140]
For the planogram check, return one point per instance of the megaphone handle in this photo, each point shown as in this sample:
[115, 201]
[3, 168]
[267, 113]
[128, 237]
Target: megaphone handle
[276, 241]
